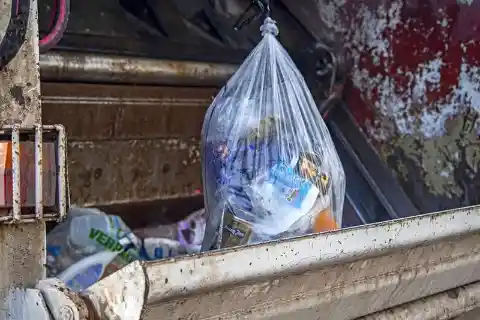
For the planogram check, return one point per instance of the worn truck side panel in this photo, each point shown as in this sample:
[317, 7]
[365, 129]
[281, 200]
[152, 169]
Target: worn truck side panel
[22, 247]
[340, 275]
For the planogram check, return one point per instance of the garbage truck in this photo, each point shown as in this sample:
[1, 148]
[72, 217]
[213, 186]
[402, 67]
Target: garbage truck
[128, 84]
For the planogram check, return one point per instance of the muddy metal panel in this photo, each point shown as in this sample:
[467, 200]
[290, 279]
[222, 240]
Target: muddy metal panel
[339, 275]
[22, 247]
[471, 315]
[417, 71]
[457, 304]
[108, 172]
[129, 143]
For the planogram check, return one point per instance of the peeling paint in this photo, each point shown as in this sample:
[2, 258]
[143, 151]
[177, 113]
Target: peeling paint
[417, 74]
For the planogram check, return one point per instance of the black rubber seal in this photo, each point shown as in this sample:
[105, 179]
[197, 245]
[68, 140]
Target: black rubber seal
[15, 33]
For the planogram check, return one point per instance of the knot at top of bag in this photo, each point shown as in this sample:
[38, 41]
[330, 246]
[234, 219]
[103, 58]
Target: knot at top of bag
[269, 27]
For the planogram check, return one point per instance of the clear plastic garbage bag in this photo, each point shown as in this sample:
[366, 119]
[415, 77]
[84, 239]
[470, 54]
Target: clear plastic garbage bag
[270, 169]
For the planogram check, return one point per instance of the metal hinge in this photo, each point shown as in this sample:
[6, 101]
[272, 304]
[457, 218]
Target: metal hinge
[25, 198]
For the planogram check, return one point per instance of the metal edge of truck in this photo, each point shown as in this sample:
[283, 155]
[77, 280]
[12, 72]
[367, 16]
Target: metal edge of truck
[459, 303]
[22, 245]
[345, 274]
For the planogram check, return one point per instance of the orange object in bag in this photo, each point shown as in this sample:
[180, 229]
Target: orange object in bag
[27, 174]
[324, 221]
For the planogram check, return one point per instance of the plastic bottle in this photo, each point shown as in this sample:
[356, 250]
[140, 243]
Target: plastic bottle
[89, 270]
[83, 227]
[161, 248]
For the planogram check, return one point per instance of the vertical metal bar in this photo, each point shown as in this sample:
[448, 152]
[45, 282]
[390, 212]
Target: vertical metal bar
[62, 171]
[16, 196]
[22, 250]
[38, 172]
[446, 305]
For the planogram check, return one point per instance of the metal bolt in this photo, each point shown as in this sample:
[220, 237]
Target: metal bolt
[66, 313]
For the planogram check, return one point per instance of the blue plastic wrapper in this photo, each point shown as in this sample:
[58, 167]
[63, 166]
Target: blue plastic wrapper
[270, 169]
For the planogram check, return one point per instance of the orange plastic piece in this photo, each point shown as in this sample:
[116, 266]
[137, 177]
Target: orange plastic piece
[27, 174]
[324, 221]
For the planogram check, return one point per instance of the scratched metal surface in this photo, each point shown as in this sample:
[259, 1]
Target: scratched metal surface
[22, 247]
[456, 304]
[120, 296]
[415, 90]
[129, 143]
[19, 92]
[472, 315]
[340, 275]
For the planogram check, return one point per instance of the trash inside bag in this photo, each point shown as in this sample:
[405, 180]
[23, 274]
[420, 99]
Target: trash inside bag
[90, 245]
[270, 169]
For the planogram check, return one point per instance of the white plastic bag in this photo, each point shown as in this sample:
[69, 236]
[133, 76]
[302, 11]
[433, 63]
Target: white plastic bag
[270, 168]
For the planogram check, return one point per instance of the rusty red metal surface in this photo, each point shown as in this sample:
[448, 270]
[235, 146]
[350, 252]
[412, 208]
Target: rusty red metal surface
[420, 43]
[415, 90]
